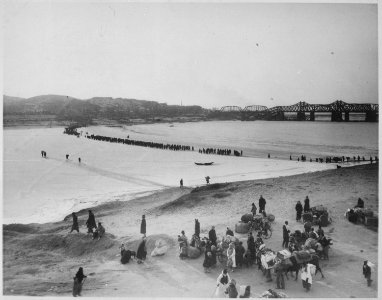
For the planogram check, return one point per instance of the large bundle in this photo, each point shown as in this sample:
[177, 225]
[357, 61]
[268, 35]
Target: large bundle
[160, 248]
[284, 254]
[268, 259]
[310, 243]
[302, 256]
[319, 209]
[247, 218]
[270, 217]
[241, 227]
[371, 221]
[273, 294]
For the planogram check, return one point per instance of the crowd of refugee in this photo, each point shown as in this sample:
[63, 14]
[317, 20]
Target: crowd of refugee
[237, 256]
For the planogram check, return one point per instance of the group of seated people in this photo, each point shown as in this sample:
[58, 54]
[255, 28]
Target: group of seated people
[98, 232]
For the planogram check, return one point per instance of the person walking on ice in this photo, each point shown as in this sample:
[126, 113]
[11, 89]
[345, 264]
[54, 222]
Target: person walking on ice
[91, 223]
[208, 179]
[143, 225]
[75, 223]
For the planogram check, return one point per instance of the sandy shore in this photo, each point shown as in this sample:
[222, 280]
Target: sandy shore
[41, 259]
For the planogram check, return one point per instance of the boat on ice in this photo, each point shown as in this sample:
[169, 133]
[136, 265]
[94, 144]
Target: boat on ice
[204, 164]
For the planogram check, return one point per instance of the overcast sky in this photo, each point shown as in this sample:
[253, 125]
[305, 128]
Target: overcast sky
[204, 54]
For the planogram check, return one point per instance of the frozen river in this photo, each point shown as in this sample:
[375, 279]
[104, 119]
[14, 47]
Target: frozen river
[41, 190]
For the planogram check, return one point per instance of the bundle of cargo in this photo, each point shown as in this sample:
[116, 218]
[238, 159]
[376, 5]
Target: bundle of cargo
[371, 221]
[320, 215]
[365, 213]
[270, 217]
[257, 221]
[283, 254]
[268, 259]
[241, 227]
[310, 243]
[302, 256]
[273, 294]
[247, 218]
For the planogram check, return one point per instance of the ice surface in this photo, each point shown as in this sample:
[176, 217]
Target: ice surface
[41, 190]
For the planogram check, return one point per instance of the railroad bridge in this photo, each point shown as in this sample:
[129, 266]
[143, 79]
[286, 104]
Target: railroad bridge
[339, 110]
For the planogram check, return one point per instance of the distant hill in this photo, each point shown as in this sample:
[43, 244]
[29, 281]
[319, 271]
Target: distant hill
[66, 108]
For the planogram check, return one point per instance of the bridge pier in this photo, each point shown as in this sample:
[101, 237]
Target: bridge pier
[301, 116]
[337, 116]
[371, 116]
[312, 117]
[347, 116]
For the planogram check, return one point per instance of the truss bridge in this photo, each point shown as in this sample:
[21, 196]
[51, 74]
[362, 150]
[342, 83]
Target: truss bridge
[339, 111]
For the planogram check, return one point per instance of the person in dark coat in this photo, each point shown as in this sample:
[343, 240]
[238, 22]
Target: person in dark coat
[254, 209]
[91, 223]
[142, 251]
[229, 232]
[320, 232]
[181, 182]
[286, 232]
[239, 254]
[280, 282]
[208, 262]
[298, 211]
[197, 228]
[75, 223]
[360, 203]
[306, 204]
[78, 282]
[212, 236]
[251, 246]
[262, 203]
[366, 270]
[143, 225]
[213, 255]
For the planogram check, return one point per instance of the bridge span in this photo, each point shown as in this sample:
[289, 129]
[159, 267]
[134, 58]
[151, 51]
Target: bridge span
[339, 111]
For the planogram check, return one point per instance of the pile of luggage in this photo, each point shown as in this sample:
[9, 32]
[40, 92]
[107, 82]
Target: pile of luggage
[362, 216]
[248, 222]
[318, 215]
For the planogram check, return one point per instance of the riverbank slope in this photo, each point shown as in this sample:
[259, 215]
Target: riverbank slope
[41, 259]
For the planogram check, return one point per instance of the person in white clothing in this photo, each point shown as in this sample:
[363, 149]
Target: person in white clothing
[231, 256]
[306, 275]
[222, 283]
